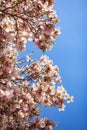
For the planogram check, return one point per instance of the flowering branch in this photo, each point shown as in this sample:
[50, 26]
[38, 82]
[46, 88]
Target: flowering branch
[34, 19]
[27, 83]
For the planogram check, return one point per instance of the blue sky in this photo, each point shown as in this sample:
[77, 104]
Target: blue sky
[69, 53]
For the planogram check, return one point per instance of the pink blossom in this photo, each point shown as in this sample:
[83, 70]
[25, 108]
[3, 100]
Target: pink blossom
[27, 83]
[20, 114]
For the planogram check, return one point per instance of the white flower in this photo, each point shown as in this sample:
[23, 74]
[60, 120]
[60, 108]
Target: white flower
[62, 108]
[70, 99]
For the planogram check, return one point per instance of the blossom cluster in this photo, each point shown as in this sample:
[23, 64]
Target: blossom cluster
[22, 89]
[26, 20]
[27, 83]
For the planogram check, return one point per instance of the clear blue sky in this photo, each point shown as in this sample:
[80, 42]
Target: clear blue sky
[69, 53]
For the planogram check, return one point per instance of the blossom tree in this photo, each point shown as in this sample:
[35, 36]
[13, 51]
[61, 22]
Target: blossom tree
[27, 83]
